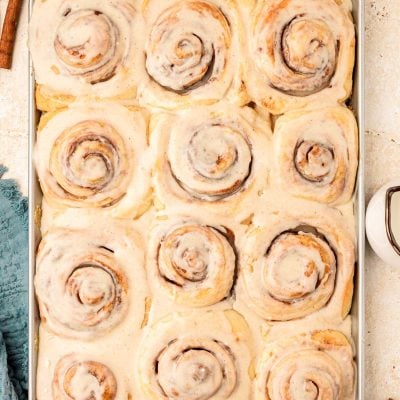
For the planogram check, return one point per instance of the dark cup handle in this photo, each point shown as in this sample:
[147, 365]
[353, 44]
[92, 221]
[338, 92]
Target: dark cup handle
[388, 217]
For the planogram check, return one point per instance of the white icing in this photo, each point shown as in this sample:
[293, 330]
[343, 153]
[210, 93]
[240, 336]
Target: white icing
[301, 53]
[197, 156]
[95, 155]
[192, 50]
[315, 154]
[216, 157]
[87, 48]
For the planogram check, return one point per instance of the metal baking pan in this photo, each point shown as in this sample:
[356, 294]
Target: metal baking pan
[357, 310]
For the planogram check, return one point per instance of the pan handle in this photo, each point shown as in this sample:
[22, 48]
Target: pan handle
[388, 217]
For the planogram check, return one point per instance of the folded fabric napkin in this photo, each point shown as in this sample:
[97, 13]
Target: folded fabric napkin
[13, 291]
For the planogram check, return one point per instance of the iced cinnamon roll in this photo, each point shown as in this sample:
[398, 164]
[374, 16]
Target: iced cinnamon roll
[301, 53]
[79, 377]
[316, 365]
[86, 280]
[297, 260]
[192, 52]
[191, 261]
[216, 158]
[316, 154]
[92, 156]
[203, 355]
[85, 48]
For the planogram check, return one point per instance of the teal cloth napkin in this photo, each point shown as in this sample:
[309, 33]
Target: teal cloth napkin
[13, 291]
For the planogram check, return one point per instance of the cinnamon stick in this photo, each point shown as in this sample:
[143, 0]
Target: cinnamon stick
[8, 33]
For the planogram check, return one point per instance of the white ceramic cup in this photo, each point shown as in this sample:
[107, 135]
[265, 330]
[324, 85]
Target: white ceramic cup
[383, 223]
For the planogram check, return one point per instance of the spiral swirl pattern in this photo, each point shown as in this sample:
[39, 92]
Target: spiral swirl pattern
[76, 377]
[191, 52]
[300, 49]
[313, 161]
[294, 267]
[217, 161]
[297, 264]
[213, 157]
[188, 46]
[194, 364]
[306, 57]
[83, 294]
[316, 154]
[85, 49]
[89, 45]
[312, 366]
[89, 162]
[196, 369]
[90, 156]
[194, 263]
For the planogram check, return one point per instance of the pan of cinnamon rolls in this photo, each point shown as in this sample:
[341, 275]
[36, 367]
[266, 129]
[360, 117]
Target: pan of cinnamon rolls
[199, 166]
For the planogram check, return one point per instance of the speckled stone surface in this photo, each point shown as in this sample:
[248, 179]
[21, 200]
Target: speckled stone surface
[383, 155]
[14, 106]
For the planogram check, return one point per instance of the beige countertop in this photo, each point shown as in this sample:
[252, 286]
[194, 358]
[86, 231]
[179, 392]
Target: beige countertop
[382, 147]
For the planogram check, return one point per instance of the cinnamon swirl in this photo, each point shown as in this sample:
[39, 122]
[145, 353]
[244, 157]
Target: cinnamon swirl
[204, 355]
[316, 365]
[86, 280]
[191, 261]
[85, 48]
[192, 53]
[79, 377]
[301, 52]
[92, 155]
[316, 154]
[215, 157]
[298, 259]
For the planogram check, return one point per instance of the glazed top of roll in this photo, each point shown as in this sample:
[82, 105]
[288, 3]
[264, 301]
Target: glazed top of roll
[91, 281]
[192, 259]
[93, 155]
[217, 157]
[302, 53]
[86, 48]
[202, 355]
[192, 52]
[297, 262]
[315, 365]
[316, 154]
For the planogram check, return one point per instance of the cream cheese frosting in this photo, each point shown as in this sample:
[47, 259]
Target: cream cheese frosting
[87, 48]
[195, 246]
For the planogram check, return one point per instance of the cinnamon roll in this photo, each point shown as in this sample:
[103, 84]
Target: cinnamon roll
[316, 154]
[215, 157]
[86, 280]
[92, 155]
[301, 53]
[316, 365]
[79, 377]
[191, 53]
[85, 48]
[196, 356]
[297, 260]
[191, 261]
